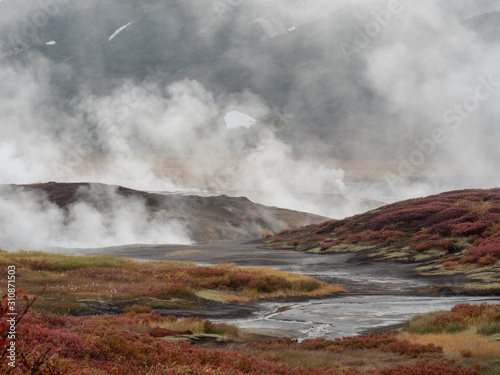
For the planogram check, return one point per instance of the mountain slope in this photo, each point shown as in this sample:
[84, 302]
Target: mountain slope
[453, 233]
[204, 218]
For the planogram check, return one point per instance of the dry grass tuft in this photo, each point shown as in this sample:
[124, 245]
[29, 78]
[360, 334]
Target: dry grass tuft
[109, 279]
[458, 344]
[194, 325]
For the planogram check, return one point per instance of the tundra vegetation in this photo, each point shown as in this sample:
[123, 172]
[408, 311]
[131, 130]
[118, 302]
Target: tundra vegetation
[148, 343]
[92, 284]
[50, 339]
[454, 234]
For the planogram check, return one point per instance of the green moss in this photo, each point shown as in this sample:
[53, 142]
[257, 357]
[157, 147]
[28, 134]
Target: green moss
[489, 329]
[428, 255]
[175, 303]
[277, 246]
[303, 247]
[138, 309]
[59, 307]
[349, 248]
[461, 242]
[211, 295]
[316, 250]
[482, 287]
[490, 273]
[436, 270]
[397, 255]
[490, 278]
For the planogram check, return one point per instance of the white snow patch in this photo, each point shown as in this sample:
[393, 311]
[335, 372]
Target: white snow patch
[119, 31]
[51, 43]
[235, 119]
[293, 28]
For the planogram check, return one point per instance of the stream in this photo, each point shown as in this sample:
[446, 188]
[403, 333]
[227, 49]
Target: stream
[381, 294]
[344, 315]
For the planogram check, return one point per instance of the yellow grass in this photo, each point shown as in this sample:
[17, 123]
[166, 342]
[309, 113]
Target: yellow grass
[459, 344]
[68, 289]
[182, 253]
[235, 298]
[299, 283]
[190, 324]
[66, 262]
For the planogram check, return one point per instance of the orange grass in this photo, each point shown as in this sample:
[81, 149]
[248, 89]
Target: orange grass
[458, 344]
[108, 279]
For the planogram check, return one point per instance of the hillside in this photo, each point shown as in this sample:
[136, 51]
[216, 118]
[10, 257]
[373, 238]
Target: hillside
[451, 234]
[203, 218]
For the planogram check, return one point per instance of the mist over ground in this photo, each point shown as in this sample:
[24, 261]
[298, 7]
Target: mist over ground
[340, 106]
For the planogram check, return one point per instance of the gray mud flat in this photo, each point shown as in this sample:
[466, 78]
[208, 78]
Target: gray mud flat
[345, 269]
[380, 294]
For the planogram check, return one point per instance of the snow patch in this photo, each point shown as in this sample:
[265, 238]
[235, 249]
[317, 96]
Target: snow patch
[293, 28]
[51, 43]
[235, 119]
[118, 31]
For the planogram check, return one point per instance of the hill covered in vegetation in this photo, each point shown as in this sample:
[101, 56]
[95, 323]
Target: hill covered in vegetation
[450, 234]
[148, 343]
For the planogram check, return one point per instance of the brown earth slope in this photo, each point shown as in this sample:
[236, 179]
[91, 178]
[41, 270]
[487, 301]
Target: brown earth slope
[205, 218]
[454, 235]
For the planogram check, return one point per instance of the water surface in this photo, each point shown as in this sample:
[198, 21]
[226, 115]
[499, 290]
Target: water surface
[345, 315]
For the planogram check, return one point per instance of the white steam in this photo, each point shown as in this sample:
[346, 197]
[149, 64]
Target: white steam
[437, 89]
[271, 175]
[30, 221]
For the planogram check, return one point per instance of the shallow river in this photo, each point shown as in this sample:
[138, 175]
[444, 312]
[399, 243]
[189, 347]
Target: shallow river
[332, 317]
[344, 316]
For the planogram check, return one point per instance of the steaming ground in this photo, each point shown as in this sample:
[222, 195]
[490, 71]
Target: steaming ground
[331, 108]
[57, 215]
[29, 220]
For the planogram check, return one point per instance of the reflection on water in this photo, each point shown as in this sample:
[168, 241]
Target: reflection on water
[345, 316]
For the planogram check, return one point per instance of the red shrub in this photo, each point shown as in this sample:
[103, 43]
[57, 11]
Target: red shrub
[277, 239]
[487, 249]
[447, 214]
[450, 265]
[470, 311]
[487, 260]
[422, 369]
[444, 320]
[406, 216]
[319, 238]
[470, 228]
[328, 245]
[432, 244]
[386, 343]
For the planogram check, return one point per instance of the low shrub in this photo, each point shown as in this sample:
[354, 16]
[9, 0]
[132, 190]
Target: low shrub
[459, 318]
[489, 328]
[384, 343]
[138, 309]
